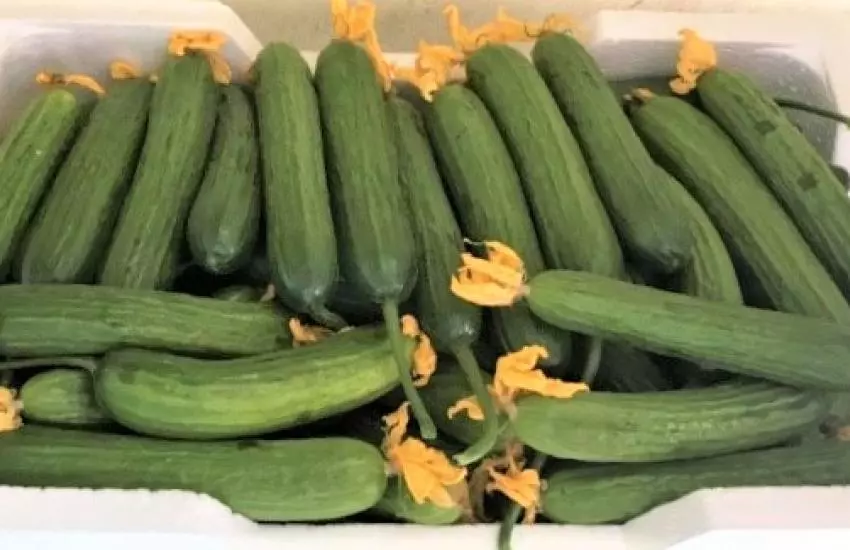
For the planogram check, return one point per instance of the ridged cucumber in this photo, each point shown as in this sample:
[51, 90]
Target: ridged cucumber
[277, 480]
[62, 397]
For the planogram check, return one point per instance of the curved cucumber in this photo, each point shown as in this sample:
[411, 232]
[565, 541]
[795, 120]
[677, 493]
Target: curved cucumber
[278, 481]
[179, 397]
[62, 397]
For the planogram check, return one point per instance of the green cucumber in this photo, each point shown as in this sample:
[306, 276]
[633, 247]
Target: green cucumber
[398, 503]
[240, 293]
[753, 224]
[790, 349]
[610, 493]
[648, 220]
[178, 397]
[789, 165]
[152, 220]
[650, 427]
[89, 189]
[29, 155]
[452, 324]
[300, 237]
[224, 219]
[626, 369]
[488, 198]
[45, 320]
[62, 397]
[377, 249]
[275, 481]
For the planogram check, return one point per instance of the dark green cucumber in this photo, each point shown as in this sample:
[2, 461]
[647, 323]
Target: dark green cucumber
[791, 167]
[89, 189]
[178, 397]
[488, 198]
[29, 155]
[240, 293]
[617, 493]
[572, 226]
[224, 219]
[153, 217]
[753, 224]
[452, 324]
[791, 349]
[650, 223]
[62, 397]
[45, 320]
[277, 481]
[650, 427]
[626, 369]
[377, 249]
[300, 235]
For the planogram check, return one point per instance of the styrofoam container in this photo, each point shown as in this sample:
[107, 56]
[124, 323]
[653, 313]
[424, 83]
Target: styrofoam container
[792, 56]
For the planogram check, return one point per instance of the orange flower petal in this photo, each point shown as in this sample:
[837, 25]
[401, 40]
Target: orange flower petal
[470, 406]
[517, 371]
[303, 335]
[427, 472]
[521, 486]
[696, 56]
[410, 326]
[10, 410]
[424, 361]
[396, 426]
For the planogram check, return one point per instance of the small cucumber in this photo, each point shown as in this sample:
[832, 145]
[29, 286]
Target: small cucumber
[269, 481]
[178, 397]
[62, 397]
[591, 495]
[300, 236]
[89, 189]
[488, 198]
[224, 219]
[649, 221]
[153, 217]
[650, 427]
[790, 349]
[45, 320]
[29, 155]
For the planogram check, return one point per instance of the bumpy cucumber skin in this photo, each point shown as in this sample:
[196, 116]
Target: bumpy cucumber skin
[447, 319]
[488, 198]
[617, 493]
[29, 156]
[611, 427]
[754, 226]
[377, 250]
[397, 502]
[62, 397]
[300, 236]
[88, 190]
[225, 216]
[45, 320]
[278, 481]
[649, 222]
[789, 349]
[177, 397]
[180, 128]
[790, 166]
[572, 226]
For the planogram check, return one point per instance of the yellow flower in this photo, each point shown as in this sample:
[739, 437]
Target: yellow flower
[357, 24]
[470, 406]
[520, 485]
[304, 335]
[10, 409]
[496, 281]
[207, 42]
[424, 356]
[696, 56]
[427, 472]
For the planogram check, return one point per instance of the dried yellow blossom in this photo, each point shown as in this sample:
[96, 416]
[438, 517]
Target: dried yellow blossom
[207, 42]
[123, 70]
[434, 63]
[81, 80]
[696, 56]
[357, 24]
[424, 356]
[468, 405]
[517, 372]
[304, 335]
[493, 282]
[10, 409]
[520, 485]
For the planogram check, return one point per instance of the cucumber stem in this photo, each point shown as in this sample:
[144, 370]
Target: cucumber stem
[805, 107]
[326, 317]
[479, 449]
[594, 358]
[403, 360]
[86, 363]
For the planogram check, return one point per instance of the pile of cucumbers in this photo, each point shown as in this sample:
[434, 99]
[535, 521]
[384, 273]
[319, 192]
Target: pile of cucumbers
[688, 258]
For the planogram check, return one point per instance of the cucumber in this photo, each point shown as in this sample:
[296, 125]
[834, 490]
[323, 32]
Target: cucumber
[626, 369]
[224, 218]
[29, 155]
[300, 235]
[45, 320]
[616, 493]
[89, 189]
[178, 397]
[452, 324]
[277, 481]
[180, 128]
[377, 249]
[398, 503]
[789, 165]
[648, 220]
[791, 349]
[753, 224]
[469, 150]
[62, 397]
[650, 427]
[240, 293]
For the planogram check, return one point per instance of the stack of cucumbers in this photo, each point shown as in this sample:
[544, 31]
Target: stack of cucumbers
[164, 244]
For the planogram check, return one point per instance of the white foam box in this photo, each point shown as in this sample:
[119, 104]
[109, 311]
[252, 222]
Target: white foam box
[793, 56]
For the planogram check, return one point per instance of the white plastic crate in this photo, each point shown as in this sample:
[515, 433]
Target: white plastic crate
[790, 55]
